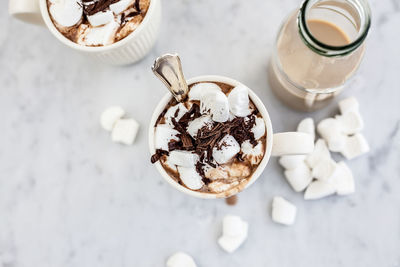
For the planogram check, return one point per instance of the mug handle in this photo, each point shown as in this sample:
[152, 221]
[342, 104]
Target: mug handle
[26, 10]
[292, 143]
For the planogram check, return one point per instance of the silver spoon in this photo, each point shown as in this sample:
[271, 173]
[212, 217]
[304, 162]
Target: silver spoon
[168, 69]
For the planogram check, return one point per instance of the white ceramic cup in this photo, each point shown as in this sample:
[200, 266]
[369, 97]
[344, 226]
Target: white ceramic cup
[126, 51]
[276, 144]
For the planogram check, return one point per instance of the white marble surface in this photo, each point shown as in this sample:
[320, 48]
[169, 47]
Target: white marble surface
[70, 197]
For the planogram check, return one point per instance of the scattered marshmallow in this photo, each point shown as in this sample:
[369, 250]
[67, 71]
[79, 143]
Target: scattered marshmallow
[183, 158]
[199, 90]
[329, 129]
[163, 135]
[356, 145]
[66, 13]
[180, 259]
[283, 211]
[100, 18]
[103, 35]
[319, 189]
[292, 161]
[120, 6]
[324, 169]
[179, 110]
[253, 153]
[217, 104]
[195, 125]
[226, 149]
[259, 128]
[351, 122]
[110, 116]
[239, 101]
[348, 104]
[307, 126]
[299, 178]
[190, 177]
[234, 233]
[344, 180]
[125, 131]
[320, 152]
[292, 143]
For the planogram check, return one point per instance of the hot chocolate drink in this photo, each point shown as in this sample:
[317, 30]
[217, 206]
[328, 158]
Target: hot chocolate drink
[213, 141]
[97, 22]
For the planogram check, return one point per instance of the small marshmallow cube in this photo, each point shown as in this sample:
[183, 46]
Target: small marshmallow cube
[180, 259]
[319, 189]
[259, 128]
[299, 178]
[356, 145]
[163, 135]
[110, 116]
[348, 104]
[239, 101]
[100, 18]
[125, 131]
[320, 152]
[344, 180]
[234, 233]
[190, 177]
[183, 158]
[324, 169]
[351, 122]
[292, 161]
[283, 211]
[307, 126]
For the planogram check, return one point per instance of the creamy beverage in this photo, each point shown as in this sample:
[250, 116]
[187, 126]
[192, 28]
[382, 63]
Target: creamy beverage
[97, 22]
[213, 141]
[317, 51]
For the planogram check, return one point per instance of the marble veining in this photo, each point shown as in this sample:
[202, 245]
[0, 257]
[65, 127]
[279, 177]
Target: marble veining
[69, 197]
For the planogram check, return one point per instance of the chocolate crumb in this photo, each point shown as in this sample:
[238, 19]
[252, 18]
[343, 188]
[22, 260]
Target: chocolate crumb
[159, 153]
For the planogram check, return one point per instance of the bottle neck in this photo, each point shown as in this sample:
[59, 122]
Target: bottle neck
[353, 16]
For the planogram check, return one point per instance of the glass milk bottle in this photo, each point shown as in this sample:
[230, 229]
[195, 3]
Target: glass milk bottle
[318, 49]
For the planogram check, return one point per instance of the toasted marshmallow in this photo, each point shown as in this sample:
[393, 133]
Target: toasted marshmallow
[356, 145]
[343, 180]
[163, 135]
[101, 18]
[120, 6]
[351, 122]
[183, 158]
[216, 103]
[220, 172]
[234, 233]
[239, 101]
[259, 128]
[66, 13]
[195, 125]
[324, 169]
[226, 149]
[199, 90]
[348, 104]
[103, 35]
[320, 152]
[218, 187]
[238, 170]
[110, 116]
[253, 153]
[299, 178]
[283, 211]
[292, 161]
[179, 110]
[180, 259]
[319, 189]
[190, 177]
[125, 131]
[307, 126]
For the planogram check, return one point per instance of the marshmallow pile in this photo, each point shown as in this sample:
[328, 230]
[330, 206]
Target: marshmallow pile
[123, 130]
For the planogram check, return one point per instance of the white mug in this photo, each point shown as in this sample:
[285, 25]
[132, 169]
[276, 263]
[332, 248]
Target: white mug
[276, 144]
[128, 50]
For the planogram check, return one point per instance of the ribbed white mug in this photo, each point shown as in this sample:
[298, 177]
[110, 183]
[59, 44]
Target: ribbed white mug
[126, 51]
[289, 143]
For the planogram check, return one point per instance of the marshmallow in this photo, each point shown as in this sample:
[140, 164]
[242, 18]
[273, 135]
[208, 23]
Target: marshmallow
[120, 6]
[343, 180]
[299, 178]
[100, 18]
[292, 143]
[259, 128]
[125, 131]
[356, 145]
[253, 153]
[163, 134]
[190, 177]
[217, 104]
[179, 110]
[195, 125]
[239, 101]
[110, 116]
[234, 233]
[337, 142]
[292, 161]
[183, 158]
[324, 169]
[199, 90]
[351, 122]
[329, 129]
[226, 149]
[307, 126]
[103, 35]
[348, 104]
[66, 13]
[283, 211]
[180, 259]
[320, 152]
[319, 189]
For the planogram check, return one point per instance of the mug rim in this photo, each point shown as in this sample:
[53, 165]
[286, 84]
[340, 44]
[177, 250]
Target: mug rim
[269, 140]
[92, 49]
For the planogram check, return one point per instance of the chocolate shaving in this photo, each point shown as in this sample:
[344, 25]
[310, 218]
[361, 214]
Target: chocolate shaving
[159, 153]
[137, 6]
[187, 142]
[91, 7]
[133, 14]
